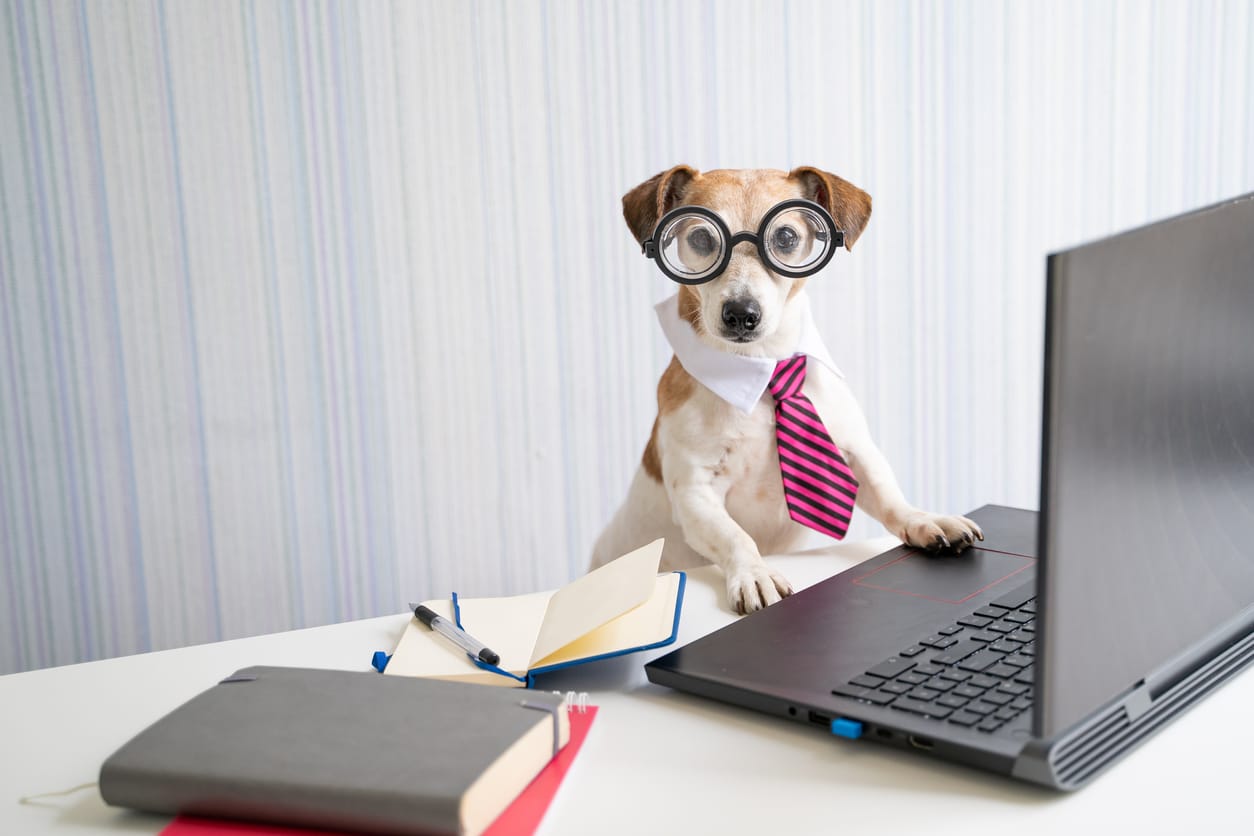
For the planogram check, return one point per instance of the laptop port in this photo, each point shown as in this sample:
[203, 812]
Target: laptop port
[921, 742]
[819, 719]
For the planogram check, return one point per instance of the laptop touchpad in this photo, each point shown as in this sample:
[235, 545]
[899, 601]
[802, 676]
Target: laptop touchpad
[950, 579]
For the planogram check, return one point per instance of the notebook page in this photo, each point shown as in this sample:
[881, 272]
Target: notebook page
[649, 623]
[605, 593]
[507, 625]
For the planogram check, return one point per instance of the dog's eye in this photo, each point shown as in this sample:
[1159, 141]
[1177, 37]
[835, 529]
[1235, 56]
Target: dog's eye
[785, 239]
[701, 241]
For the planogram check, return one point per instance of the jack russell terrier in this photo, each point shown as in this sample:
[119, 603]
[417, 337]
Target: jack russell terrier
[757, 436]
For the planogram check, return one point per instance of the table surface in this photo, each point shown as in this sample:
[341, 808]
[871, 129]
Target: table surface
[656, 761]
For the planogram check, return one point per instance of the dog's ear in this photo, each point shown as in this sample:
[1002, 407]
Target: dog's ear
[849, 205]
[643, 205]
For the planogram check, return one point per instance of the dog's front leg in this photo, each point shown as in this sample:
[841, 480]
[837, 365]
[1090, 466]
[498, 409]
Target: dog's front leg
[880, 496]
[698, 503]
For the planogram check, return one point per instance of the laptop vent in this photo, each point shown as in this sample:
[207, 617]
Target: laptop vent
[1078, 759]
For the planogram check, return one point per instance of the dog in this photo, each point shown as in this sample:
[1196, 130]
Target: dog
[709, 481]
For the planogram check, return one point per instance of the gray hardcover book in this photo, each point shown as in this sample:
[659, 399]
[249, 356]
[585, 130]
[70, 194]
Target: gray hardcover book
[341, 750]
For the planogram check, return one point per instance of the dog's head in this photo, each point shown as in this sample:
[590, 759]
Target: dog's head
[742, 307]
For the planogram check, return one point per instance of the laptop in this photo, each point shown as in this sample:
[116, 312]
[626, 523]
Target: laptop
[1069, 636]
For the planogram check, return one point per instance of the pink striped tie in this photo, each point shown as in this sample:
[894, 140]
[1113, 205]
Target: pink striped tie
[818, 485]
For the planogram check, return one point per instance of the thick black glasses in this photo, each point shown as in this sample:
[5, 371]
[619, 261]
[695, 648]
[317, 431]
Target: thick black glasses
[692, 244]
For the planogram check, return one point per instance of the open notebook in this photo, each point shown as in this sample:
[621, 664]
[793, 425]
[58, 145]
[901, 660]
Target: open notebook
[622, 607]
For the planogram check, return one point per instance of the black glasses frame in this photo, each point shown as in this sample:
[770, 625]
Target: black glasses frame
[837, 236]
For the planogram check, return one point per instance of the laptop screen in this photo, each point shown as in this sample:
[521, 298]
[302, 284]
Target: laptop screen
[1148, 467]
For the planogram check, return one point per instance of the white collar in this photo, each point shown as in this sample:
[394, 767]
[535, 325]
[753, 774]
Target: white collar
[737, 379]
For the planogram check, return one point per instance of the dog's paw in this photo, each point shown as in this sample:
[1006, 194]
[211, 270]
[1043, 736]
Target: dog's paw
[755, 587]
[937, 532]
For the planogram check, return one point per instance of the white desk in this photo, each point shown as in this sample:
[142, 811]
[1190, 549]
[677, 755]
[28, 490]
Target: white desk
[656, 761]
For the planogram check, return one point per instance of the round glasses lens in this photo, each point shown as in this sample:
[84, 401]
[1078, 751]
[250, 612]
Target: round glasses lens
[797, 238]
[691, 246]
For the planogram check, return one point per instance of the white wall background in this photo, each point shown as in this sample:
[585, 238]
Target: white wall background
[308, 309]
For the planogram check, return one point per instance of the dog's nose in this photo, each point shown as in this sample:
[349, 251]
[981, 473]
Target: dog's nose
[741, 315]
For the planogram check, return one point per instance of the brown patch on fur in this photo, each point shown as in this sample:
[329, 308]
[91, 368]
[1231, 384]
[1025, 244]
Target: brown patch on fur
[675, 387]
[741, 196]
[849, 205]
[652, 462]
[646, 203]
[797, 284]
[690, 306]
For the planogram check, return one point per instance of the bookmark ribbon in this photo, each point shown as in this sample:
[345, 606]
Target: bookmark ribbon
[552, 710]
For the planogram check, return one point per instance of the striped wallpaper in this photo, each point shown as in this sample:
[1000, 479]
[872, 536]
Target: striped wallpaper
[308, 309]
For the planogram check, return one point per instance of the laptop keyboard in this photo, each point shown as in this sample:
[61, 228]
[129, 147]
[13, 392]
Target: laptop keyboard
[976, 673]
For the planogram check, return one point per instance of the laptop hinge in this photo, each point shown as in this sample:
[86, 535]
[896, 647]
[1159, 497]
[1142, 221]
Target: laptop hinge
[1171, 674]
[1138, 702]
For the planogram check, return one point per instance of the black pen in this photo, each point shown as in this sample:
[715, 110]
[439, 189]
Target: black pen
[455, 634]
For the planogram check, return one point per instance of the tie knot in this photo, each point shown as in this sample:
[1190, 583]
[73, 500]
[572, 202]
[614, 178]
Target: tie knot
[788, 377]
